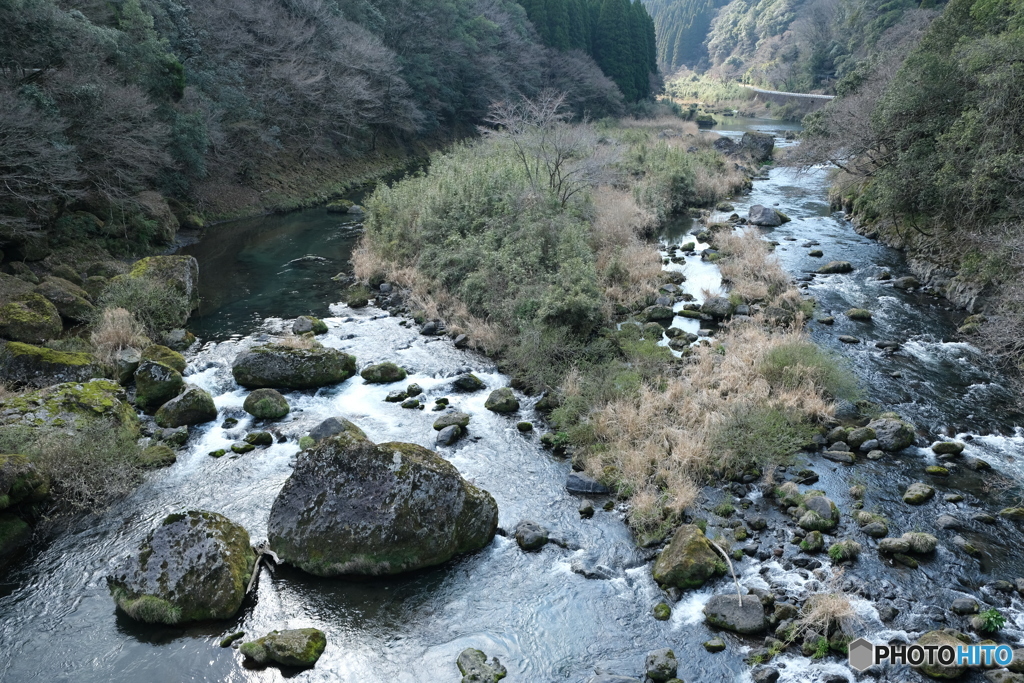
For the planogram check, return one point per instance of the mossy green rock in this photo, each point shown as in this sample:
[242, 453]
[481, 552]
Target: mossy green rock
[893, 434]
[833, 267]
[66, 272]
[937, 670]
[158, 455]
[266, 404]
[70, 300]
[191, 407]
[918, 493]
[449, 419]
[383, 373]
[194, 566]
[30, 319]
[259, 438]
[858, 436]
[821, 514]
[299, 647]
[813, 542]
[275, 366]
[354, 507]
[307, 323]
[42, 367]
[502, 401]
[180, 273]
[475, 668]
[662, 612]
[858, 314]
[156, 384]
[162, 354]
[468, 383]
[948, 447]
[688, 560]
[71, 406]
[21, 481]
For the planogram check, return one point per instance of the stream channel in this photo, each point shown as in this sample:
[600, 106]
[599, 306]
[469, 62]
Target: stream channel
[537, 612]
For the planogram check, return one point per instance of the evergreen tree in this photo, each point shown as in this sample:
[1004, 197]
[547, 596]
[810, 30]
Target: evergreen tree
[558, 24]
[612, 46]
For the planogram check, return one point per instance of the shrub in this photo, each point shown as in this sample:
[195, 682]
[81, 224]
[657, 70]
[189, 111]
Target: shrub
[800, 362]
[116, 330]
[156, 307]
[991, 620]
[760, 434]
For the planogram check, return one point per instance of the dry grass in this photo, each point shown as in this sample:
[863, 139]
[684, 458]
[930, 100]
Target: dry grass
[827, 613]
[718, 185]
[752, 268]
[6, 392]
[299, 341]
[663, 123]
[116, 330]
[632, 269]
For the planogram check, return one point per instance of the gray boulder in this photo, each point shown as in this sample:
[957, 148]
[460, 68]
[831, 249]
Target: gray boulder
[191, 407]
[726, 611]
[276, 366]
[893, 434]
[474, 667]
[530, 535]
[502, 401]
[300, 647]
[764, 216]
[661, 665]
[758, 145]
[688, 560]
[717, 307]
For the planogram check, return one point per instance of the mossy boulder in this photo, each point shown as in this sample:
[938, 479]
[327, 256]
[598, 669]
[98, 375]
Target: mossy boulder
[72, 406]
[180, 273]
[157, 455]
[918, 493]
[22, 272]
[95, 286]
[893, 434]
[948, 447]
[156, 384]
[834, 267]
[937, 670]
[307, 323]
[191, 407]
[354, 507]
[688, 561]
[194, 566]
[15, 534]
[475, 668]
[819, 513]
[154, 207]
[277, 366]
[30, 319]
[162, 354]
[41, 367]
[266, 404]
[70, 300]
[383, 373]
[859, 314]
[502, 401]
[21, 481]
[455, 418]
[729, 612]
[468, 383]
[299, 647]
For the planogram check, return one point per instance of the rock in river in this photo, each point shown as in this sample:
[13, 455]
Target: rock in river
[502, 401]
[193, 406]
[530, 535]
[726, 611]
[474, 667]
[156, 384]
[383, 373]
[354, 507]
[277, 366]
[194, 566]
[763, 216]
[688, 560]
[893, 434]
[833, 267]
[299, 647]
[918, 493]
[266, 404]
[937, 670]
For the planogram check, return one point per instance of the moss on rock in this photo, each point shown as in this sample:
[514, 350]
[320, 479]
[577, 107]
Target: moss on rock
[158, 455]
[191, 407]
[39, 366]
[502, 401]
[156, 384]
[162, 354]
[383, 373]
[178, 272]
[70, 300]
[266, 404]
[30, 319]
[688, 561]
[277, 366]
[297, 647]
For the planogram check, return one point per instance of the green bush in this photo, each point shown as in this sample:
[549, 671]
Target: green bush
[759, 434]
[157, 307]
[794, 364]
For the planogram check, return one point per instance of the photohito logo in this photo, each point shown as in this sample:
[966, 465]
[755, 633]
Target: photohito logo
[864, 653]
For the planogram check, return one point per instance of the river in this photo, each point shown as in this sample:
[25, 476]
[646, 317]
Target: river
[535, 611]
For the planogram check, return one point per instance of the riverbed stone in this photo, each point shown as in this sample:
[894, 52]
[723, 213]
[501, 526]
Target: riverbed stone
[763, 216]
[266, 404]
[530, 535]
[821, 514]
[835, 267]
[474, 667]
[307, 323]
[862, 314]
[383, 373]
[300, 648]
[354, 507]
[165, 355]
[893, 434]
[937, 670]
[857, 437]
[661, 665]
[726, 611]
[70, 300]
[918, 493]
[688, 561]
[948, 447]
[193, 567]
[276, 366]
[580, 483]
[39, 366]
[468, 383]
[502, 401]
[30, 319]
[449, 435]
[894, 545]
[334, 426]
[964, 606]
[191, 407]
[908, 282]
[453, 418]
[658, 314]
[156, 384]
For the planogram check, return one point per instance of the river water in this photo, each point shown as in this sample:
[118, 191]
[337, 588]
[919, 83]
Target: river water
[543, 618]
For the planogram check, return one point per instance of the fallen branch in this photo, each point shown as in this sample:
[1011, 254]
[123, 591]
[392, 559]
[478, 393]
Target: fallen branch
[739, 595]
[261, 550]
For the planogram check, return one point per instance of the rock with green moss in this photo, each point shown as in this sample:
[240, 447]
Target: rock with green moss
[179, 339]
[383, 373]
[15, 534]
[21, 481]
[162, 354]
[72, 407]
[95, 286]
[22, 272]
[833, 267]
[70, 300]
[813, 542]
[180, 273]
[30, 319]
[300, 647]
[449, 419]
[893, 434]
[688, 561]
[662, 612]
[191, 407]
[468, 383]
[918, 493]
[475, 668]
[156, 384]
[819, 513]
[354, 507]
[266, 404]
[275, 366]
[41, 367]
[193, 567]
[259, 438]
[937, 669]
[502, 401]
[157, 455]
[948, 447]
[859, 314]
[307, 323]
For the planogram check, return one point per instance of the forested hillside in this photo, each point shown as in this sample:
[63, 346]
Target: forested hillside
[932, 154]
[795, 45]
[219, 105]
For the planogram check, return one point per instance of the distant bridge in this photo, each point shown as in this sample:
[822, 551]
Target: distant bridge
[779, 97]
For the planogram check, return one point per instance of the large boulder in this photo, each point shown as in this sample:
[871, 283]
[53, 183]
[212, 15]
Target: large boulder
[21, 481]
[155, 208]
[71, 407]
[758, 145]
[502, 401]
[475, 668]
[688, 560]
[276, 366]
[764, 216]
[13, 287]
[307, 323]
[300, 647]
[718, 307]
[42, 367]
[191, 407]
[266, 404]
[821, 514]
[893, 434]
[726, 611]
[354, 507]
[156, 384]
[180, 273]
[835, 267]
[383, 373]
[937, 670]
[70, 300]
[165, 355]
[30, 319]
[194, 566]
